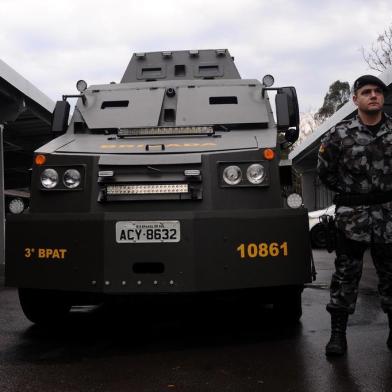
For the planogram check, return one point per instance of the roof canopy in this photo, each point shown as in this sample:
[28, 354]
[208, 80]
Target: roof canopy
[26, 113]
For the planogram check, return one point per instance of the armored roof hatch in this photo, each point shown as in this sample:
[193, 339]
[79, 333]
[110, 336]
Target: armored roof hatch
[184, 64]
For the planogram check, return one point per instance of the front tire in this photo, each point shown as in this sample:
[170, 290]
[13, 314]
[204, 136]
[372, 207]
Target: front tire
[44, 306]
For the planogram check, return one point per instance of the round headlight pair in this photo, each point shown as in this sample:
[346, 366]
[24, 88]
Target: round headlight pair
[255, 173]
[232, 175]
[50, 178]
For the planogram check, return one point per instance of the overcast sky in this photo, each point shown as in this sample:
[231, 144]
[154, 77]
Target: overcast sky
[305, 43]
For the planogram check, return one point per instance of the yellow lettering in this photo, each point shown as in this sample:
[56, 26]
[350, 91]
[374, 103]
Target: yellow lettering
[45, 253]
[173, 145]
[285, 249]
[126, 146]
[262, 250]
[241, 249]
[252, 250]
[274, 249]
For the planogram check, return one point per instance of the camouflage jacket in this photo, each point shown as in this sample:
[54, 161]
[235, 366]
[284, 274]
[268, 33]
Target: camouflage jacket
[354, 160]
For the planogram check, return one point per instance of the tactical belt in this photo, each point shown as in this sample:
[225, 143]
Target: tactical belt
[357, 199]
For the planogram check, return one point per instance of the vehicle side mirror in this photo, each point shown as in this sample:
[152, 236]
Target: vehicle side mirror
[287, 113]
[293, 106]
[282, 111]
[292, 135]
[60, 117]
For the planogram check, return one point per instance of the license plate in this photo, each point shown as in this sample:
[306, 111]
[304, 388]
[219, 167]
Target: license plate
[147, 231]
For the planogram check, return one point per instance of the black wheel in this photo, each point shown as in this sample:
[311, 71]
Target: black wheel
[44, 306]
[288, 306]
[318, 236]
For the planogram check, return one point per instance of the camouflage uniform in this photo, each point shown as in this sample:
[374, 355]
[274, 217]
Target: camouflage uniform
[354, 160]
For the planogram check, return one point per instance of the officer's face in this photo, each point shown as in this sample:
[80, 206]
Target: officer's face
[369, 99]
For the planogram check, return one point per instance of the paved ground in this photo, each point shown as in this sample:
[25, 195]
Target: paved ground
[224, 347]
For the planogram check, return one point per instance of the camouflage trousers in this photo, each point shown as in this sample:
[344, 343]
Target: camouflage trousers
[348, 272]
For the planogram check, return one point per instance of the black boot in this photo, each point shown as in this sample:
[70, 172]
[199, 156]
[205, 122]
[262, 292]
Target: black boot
[389, 341]
[337, 345]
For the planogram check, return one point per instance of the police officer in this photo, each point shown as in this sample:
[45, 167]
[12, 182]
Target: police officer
[355, 161]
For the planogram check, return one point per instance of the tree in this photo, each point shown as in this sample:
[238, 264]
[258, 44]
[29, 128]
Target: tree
[337, 95]
[379, 56]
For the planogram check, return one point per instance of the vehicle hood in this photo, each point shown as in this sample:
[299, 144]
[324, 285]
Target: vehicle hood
[102, 144]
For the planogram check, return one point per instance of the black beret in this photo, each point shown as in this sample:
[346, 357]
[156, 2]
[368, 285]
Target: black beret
[369, 79]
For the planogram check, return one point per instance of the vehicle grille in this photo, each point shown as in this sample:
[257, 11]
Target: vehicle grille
[149, 183]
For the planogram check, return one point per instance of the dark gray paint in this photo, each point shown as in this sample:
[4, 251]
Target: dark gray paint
[143, 110]
[101, 144]
[149, 159]
[213, 224]
[207, 250]
[194, 108]
[191, 61]
[190, 104]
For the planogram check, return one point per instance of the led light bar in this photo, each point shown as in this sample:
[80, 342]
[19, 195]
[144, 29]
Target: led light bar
[146, 189]
[163, 131]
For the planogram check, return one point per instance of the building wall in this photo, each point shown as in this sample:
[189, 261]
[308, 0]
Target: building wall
[315, 195]
[308, 189]
[323, 196]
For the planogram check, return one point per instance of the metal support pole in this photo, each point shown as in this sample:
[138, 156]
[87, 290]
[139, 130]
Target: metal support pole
[2, 215]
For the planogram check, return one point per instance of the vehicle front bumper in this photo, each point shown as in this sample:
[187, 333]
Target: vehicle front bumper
[220, 250]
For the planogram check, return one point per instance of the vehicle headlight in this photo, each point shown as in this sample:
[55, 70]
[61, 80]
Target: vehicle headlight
[49, 178]
[71, 178]
[255, 173]
[16, 205]
[294, 200]
[232, 175]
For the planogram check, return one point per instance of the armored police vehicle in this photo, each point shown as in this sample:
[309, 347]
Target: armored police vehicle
[172, 181]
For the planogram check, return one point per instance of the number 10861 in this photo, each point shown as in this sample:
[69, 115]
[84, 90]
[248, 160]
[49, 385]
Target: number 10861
[263, 249]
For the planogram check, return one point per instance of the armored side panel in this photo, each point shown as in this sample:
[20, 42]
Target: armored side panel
[185, 65]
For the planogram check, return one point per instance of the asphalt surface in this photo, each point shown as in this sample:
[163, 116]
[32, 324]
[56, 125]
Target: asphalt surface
[222, 346]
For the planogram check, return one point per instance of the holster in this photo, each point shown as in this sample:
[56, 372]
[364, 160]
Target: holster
[330, 231]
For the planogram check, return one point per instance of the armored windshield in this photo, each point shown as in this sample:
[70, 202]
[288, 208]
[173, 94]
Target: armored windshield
[195, 104]
[220, 105]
